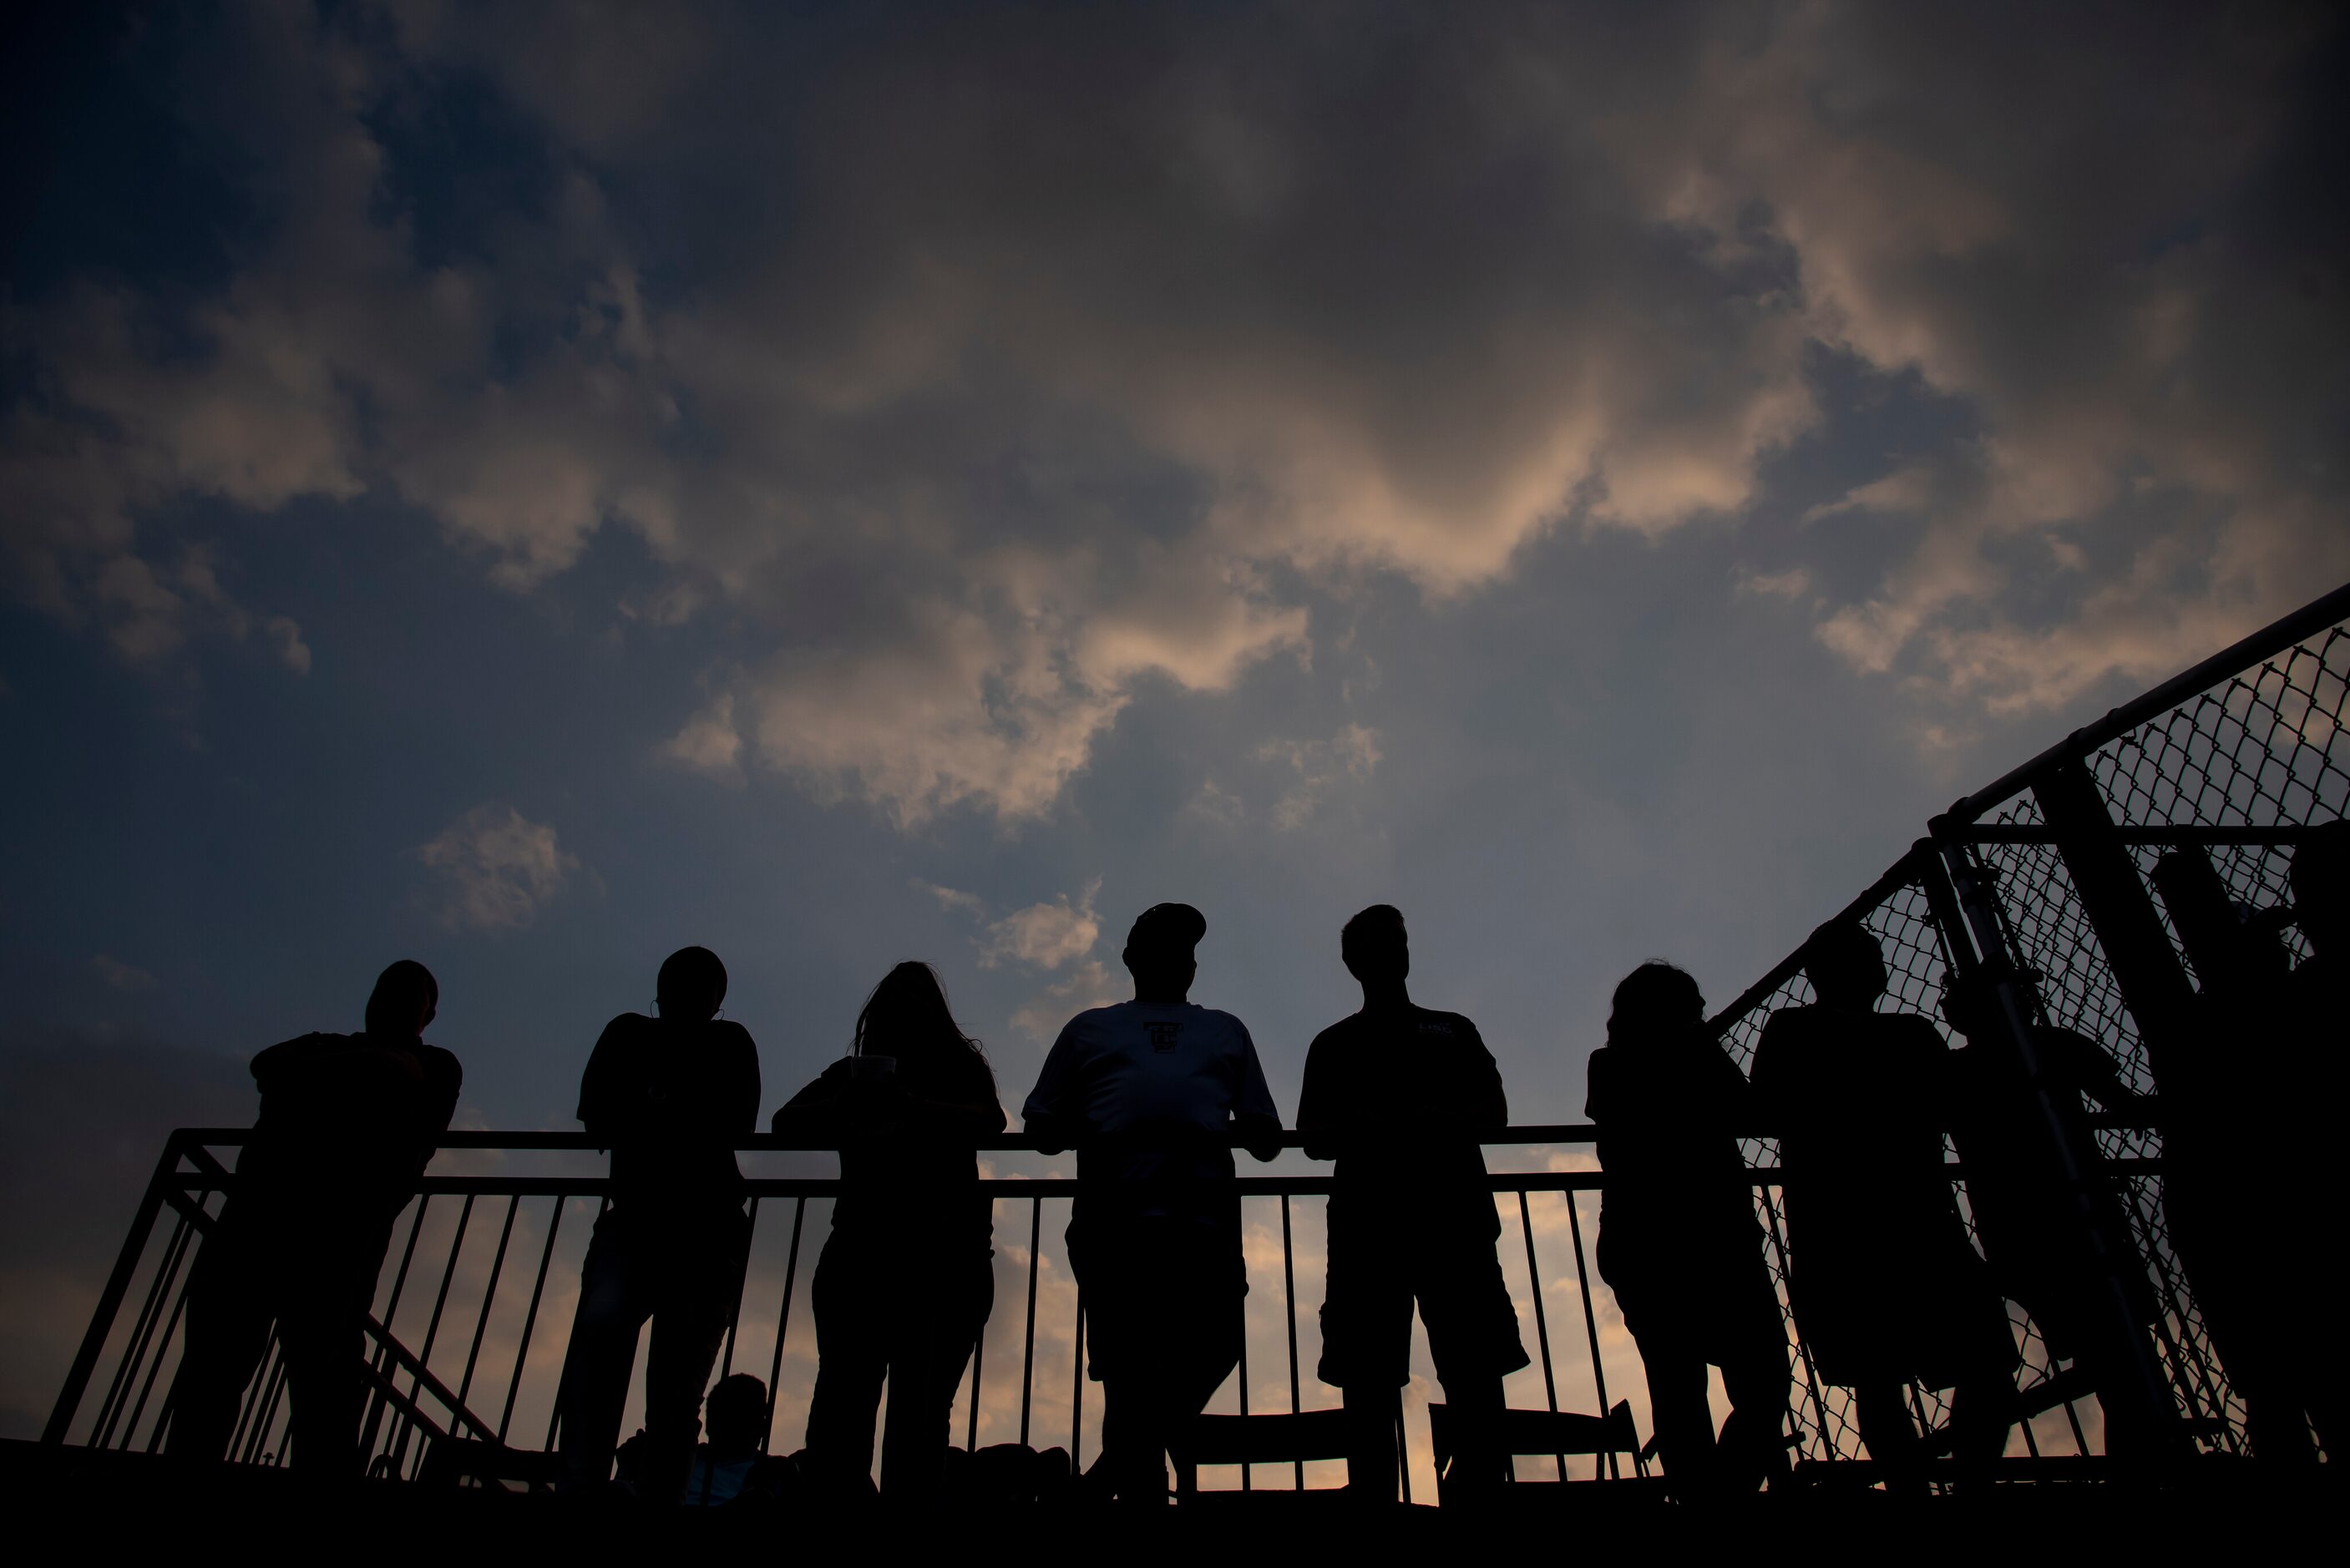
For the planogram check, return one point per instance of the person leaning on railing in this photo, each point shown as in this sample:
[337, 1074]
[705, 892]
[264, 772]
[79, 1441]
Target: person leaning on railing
[347, 1123]
[671, 1097]
[1399, 1094]
[1152, 1093]
[1886, 1290]
[908, 1275]
[1679, 1242]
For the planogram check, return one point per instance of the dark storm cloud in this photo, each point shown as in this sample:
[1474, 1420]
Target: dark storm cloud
[981, 363]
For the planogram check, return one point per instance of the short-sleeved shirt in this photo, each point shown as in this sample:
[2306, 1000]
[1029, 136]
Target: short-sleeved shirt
[916, 1188]
[1402, 1096]
[1149, 1091]
[350, 1116]
[670, 1099]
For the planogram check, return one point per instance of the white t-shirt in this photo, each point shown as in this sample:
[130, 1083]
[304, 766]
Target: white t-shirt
[1149, 1091]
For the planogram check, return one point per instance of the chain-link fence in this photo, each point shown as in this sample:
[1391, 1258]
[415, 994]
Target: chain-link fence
[2098, 861]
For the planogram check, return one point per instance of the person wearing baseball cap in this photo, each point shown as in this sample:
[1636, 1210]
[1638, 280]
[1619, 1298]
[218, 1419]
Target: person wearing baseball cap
[1153, 1093]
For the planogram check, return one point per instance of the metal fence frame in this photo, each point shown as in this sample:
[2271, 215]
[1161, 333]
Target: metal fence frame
[2044, 879]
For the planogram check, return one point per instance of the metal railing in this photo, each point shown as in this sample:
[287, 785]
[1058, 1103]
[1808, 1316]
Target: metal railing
[2046, 878]
[481, 1330]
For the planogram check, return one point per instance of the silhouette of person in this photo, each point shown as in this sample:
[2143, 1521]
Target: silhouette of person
[1153, 1093]
[671, 1097]
[907, 1278]
[1679, 1242]
[731, 1464]
[1399, 1096]
[1885, 1288]
[347, 1123]
[2025, 1219]
[2235, 1172]
[2317, 998]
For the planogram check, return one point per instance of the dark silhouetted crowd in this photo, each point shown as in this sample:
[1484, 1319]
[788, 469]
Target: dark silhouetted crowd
[1892, 1283]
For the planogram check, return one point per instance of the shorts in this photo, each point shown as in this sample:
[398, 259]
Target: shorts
[1155, 1289]
[1452, 1271]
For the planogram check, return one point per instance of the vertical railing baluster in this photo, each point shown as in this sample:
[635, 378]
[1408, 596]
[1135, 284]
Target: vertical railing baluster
[530, 1319]
[1590, 1324]
[1077, 1394]
[380, 1358]
[1247, 1469]
[109, 1297]
[258, 1443]
[1028, 1349]
[1542, 1318]
[405, 1426]
[783, 1325]
[252, 1392]
[489, 1299]
[134, 1349]
[155, 1365]
[979, 1351]
[1289, 1308]
[734, 1316]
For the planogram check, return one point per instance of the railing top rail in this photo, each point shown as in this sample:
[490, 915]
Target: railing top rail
[2233, 660]
[580, 1142]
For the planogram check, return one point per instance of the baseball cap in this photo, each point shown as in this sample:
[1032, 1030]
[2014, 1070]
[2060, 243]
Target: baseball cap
[1166, 927]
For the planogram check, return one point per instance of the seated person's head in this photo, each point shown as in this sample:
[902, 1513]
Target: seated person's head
[691, 985]
[406, 998]
[1161, 947]
[734, 1414]
[1653, 1000]
[2321, 889]
[1845, 965]
[1375, 945]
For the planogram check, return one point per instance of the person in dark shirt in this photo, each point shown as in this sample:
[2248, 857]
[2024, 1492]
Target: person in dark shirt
[1679, 1242]
[2317, 1003]
[730, 1468]
[1153, 1093]
[1886, 1290]
[347, 1123]
[2237, 1155]
[907, 1278]
[671, 1097]
[2030, 1227]
[1399, 1096]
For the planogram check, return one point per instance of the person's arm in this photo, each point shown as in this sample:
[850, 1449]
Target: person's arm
[1317, 1123]
[1484, 1104]
[1256, 1120]
[737, 1109]
[971, 1111]
[2090, 1069]
[816, 1112]
[1599, 1086]
[1047, 1117]
[601, 1108]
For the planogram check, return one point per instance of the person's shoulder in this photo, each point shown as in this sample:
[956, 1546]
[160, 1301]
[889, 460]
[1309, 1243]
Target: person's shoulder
[1227, 1022]
[441, 1064]
[1087, 1029]
[1434, 1023]
[1337, 1034]
[727, 1033]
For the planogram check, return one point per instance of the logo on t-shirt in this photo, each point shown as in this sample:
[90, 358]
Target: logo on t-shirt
[1162, 1035]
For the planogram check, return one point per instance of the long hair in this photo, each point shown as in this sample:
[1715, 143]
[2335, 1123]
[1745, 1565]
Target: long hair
[908, 1017]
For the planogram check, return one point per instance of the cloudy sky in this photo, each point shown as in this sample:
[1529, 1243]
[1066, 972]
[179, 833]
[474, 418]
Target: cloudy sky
[529, 487]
